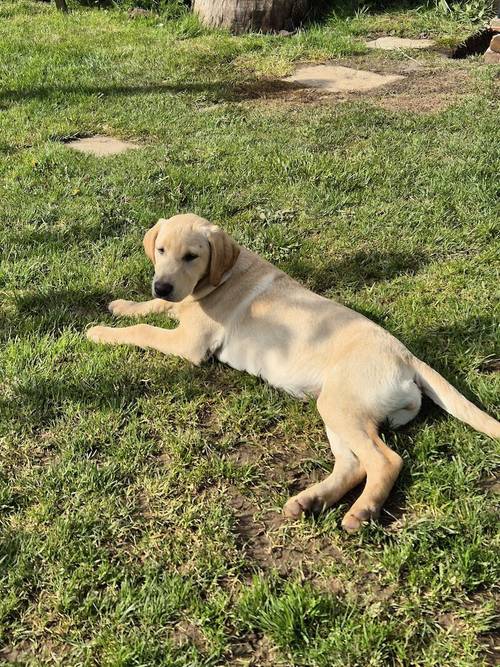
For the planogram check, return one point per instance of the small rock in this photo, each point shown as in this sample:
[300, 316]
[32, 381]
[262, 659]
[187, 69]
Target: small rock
[495, 43]
[137, 12]
[491, 57]
[285, 33]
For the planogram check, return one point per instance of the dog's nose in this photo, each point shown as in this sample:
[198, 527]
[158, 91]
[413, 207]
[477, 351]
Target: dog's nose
[162, 289]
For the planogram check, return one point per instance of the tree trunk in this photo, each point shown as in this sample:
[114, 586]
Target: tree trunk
[61, 4]
[253, 15]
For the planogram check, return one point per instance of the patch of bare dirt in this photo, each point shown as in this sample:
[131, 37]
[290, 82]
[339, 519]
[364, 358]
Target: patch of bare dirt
[490, 645]
[267, 543]
[254, 651]
[49, 652]
[491, 485]
[266, 538]
[243, 455]
[14, 655]
[425, 88]
[490, 365]
[427, 93]
[186, 632]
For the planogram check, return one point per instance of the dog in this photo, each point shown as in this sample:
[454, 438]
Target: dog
[233, 305]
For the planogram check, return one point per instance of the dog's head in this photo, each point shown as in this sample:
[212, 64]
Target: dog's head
[187, 250]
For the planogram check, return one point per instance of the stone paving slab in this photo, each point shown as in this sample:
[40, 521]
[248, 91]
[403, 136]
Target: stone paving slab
[101, 146]
[491, 57]
[336, 79]
[495, 43]
[394, 43]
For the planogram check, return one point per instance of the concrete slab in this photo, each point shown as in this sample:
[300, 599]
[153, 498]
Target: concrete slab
[336, 79]
[395, 43]
[491, 57]
[495, 43]
[495, 24]
[101, 146]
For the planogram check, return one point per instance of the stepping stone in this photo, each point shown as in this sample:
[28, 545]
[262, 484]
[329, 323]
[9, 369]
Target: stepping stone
[394, 43]
[337, 79]
[495, 24]
[495, 43]
[491, 56]
[101, 146]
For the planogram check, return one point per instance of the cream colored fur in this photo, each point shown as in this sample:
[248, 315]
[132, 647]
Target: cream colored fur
[232, 304]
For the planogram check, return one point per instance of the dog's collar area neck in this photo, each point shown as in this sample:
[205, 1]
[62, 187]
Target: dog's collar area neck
[203, 287]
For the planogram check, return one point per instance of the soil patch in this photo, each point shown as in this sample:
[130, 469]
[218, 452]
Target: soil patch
[419, 87]
[490, 365]
[270, 543]
[254, 651]
[186, 633]
[426, 94]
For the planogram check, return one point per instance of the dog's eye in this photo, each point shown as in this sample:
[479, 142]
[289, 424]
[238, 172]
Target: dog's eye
[160, 250]
[188, 257]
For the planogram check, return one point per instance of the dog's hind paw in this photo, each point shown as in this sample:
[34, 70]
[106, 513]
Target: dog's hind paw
[353, 521]
[293, 509]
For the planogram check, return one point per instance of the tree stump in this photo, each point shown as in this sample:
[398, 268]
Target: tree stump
[253, 15]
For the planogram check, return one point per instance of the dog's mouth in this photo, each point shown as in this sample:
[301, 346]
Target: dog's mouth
[171, 298]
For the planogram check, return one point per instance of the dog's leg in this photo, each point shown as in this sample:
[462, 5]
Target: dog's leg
[347, 473]
[382, 465]
[179, 341]
[124, 308]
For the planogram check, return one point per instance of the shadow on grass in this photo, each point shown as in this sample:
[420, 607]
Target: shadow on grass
[38, 400]
[51, 311]
[29, 237]
[216, 91]
[359, 269]
[452, 340]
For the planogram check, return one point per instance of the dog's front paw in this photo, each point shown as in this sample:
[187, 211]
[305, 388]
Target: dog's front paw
[121, 307]
[100, 334]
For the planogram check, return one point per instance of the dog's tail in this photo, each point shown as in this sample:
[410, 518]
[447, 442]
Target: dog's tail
[451, 400]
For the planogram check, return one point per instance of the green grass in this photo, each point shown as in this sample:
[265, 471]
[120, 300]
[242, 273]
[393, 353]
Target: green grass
[140, 498]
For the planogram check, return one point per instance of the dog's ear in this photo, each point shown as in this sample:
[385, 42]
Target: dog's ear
[223, 254]
[150, 240]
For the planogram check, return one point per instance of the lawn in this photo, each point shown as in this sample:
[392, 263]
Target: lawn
[141, 497]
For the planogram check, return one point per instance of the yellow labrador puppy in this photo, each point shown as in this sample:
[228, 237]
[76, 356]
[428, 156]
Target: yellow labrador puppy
[234, 305]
